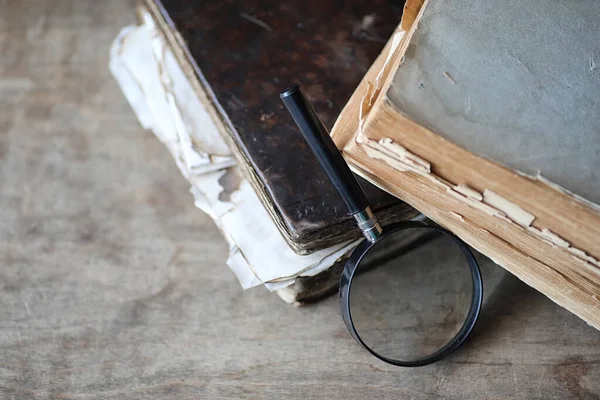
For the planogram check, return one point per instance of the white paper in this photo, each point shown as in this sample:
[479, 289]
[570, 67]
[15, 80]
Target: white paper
[165, 102]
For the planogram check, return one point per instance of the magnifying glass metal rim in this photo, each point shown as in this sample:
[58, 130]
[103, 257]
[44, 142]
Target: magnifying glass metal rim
[474, 309]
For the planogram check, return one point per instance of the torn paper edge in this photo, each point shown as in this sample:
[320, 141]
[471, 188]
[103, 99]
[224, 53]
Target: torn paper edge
[276, 262]
[538, 177]
[489, 202]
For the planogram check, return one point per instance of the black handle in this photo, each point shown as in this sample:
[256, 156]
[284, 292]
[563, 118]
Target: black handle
[322, 145]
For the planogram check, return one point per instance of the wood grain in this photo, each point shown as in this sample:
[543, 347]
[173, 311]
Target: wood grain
[113, 286]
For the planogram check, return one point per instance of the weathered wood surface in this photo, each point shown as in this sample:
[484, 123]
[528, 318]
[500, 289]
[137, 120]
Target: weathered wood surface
[106, 292]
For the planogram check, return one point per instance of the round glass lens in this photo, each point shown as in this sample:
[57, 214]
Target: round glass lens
[411, 293]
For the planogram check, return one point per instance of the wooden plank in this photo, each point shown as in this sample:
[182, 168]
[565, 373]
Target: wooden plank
[113, 285]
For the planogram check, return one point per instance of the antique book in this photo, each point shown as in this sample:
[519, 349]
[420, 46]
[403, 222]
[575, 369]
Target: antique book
[239, 55]
[485, 118]
[166, 103]
[163, 91]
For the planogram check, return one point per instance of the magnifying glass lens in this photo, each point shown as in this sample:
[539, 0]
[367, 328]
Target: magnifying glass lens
[411, 293]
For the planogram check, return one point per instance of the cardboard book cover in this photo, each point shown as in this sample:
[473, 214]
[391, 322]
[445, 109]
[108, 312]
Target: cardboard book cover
[485, 119]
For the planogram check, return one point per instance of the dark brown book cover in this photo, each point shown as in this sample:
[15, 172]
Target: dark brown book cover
[243, 53]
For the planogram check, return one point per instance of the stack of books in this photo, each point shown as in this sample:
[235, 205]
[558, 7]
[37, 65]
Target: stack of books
[205, 78]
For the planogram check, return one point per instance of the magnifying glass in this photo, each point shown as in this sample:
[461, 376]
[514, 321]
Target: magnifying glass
[423, 291]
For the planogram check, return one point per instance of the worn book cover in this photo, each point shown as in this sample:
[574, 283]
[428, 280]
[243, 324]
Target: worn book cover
[240, 55]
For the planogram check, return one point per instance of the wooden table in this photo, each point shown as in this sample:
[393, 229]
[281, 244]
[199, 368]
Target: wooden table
[113, 285]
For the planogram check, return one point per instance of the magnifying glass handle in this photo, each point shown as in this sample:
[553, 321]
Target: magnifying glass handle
[331, 160]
